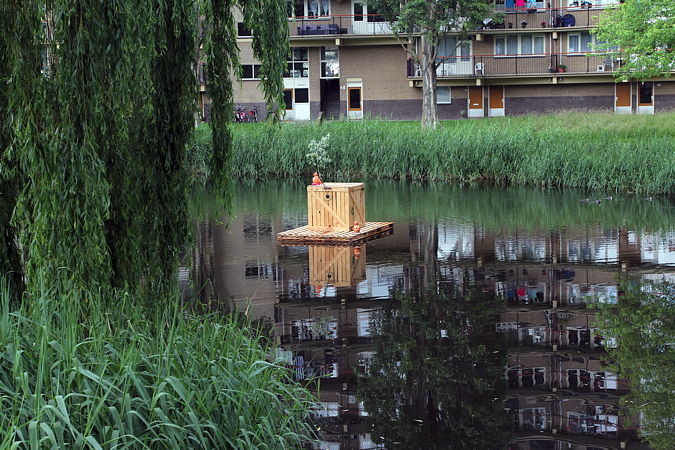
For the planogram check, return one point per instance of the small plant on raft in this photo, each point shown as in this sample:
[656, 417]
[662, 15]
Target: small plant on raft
[318, 153]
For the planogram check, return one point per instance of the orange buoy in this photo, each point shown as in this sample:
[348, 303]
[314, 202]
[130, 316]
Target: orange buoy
[357, 251]
[357, 227]
[316, 180]
[318, 288]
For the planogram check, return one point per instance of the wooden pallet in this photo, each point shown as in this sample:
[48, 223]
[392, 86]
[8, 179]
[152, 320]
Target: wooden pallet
[306, 236]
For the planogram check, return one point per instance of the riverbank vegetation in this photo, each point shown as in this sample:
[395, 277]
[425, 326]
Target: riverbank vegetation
[584, 150]
[98, 103]
[125, 374]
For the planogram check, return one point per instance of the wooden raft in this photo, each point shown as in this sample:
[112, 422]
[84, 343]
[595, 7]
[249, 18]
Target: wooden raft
[307, 235]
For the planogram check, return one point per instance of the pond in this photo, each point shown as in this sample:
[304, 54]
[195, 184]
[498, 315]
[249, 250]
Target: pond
[473, 325]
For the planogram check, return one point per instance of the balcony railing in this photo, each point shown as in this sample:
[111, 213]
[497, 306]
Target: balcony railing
[360, 25]
[491, 66]
[545, 18]
[376, 25]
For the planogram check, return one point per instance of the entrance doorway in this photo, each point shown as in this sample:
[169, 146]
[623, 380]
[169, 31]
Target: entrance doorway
[645, 95]
[330, 98]
[476, 101]
[623, 98]
[355, 100]
[496, 101]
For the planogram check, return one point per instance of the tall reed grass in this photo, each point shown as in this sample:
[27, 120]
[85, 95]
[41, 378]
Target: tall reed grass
[585, 150]
[78, 373]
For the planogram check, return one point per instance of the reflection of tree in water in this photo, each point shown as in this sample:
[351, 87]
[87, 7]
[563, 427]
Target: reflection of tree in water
[640, 336]
[434, 381]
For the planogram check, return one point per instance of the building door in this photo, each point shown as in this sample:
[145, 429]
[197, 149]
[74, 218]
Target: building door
[496, 99]
[476, 101]
[355, 100]
[645, 94]
[296, 98]
[366, 20]
[623, 98]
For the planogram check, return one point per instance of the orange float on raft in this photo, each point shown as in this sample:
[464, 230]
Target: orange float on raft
[316, 180]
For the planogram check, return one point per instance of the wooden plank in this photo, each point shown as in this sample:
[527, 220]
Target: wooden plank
[308, 236]
[326, 207]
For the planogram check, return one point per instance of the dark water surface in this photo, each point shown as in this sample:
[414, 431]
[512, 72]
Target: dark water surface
[472, 326]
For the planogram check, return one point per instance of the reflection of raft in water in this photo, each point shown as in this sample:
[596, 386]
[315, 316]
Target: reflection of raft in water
[306, 235]
[332, 211]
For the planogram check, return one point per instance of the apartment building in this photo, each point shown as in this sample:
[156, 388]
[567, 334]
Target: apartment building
[346, 63]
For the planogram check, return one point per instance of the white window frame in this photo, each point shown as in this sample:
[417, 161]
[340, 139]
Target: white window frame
[292, 61]
[580, 52]
[462, 52]
[253, 71]
[520, 46]
[449, 88]
[305, 15]
[321, 55]
[595, 4]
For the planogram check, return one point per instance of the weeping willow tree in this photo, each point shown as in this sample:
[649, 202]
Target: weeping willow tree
[100, 99]
[8, 185]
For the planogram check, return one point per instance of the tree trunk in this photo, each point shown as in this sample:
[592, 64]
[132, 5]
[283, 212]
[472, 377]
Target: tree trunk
[428, 67]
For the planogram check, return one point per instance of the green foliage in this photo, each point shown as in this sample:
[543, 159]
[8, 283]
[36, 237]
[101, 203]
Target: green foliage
[89, 375]
[645, 31]
[9, 171]
[93, 143]
[591, 150]
[318, 152]
[431, 21]
[435, 374]
[434, 19]
[267, 21]
[641, 330]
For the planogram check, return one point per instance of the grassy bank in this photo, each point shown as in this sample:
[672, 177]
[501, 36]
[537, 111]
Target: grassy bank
[585, 150]
[83, 374]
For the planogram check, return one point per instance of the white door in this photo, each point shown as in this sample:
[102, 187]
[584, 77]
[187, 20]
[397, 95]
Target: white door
[367, 21]
[496, 101]
[296, 98]
[645, 96]
[355, 100]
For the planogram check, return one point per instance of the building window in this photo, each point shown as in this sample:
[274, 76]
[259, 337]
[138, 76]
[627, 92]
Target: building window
[354, 98]
[330, 62]
[526, 377]
[288, 98]
[260, 270]
[307, 8]
[443, 95]
[243, 31]
[250, 71]
[448, 49]
[580, 42]
[302, 95]
[298, 63]
[513, 44]
[533, 419]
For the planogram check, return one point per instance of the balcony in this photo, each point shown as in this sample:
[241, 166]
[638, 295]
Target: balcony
[500, 66]
[546, 18]
[345, 25]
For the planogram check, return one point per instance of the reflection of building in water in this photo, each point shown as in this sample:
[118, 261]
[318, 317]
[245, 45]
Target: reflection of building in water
[560, 392]
[248, 271]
